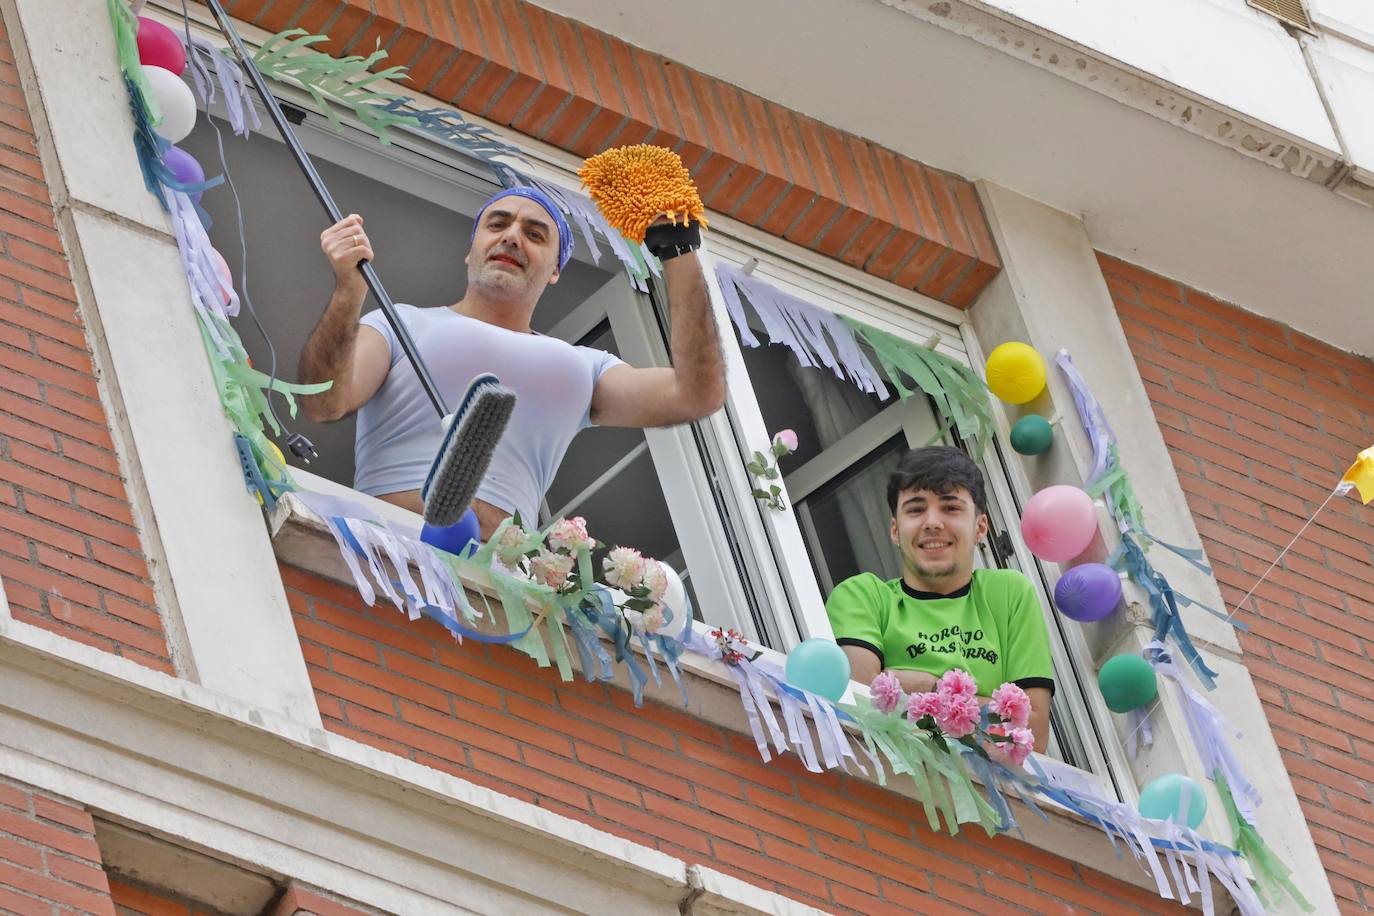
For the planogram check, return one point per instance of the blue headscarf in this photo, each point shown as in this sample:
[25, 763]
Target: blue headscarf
[565, 240]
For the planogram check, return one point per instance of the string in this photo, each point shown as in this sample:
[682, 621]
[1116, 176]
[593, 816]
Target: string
[1284, 552]
[1340, 487]
[243, 240]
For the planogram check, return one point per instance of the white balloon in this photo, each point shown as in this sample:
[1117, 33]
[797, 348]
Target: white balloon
[175, 102]
[675, 599]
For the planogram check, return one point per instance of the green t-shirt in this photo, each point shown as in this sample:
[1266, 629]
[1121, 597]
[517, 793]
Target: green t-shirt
[993, 629]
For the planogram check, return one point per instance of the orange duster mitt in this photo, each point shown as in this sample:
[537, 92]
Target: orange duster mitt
[633, 185]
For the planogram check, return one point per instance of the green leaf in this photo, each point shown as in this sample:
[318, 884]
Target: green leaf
[759, 494]
[755, 469]
[771, 473]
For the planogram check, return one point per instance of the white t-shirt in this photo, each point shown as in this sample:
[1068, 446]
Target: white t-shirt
[398, 430]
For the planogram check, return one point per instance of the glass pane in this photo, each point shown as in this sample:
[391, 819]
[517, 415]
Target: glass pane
[847, 520]
[819, 407]
[593, 450]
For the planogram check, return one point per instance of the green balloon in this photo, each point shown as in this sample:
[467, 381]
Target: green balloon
[1127, 682]
[1163, 799]
[1032, 435]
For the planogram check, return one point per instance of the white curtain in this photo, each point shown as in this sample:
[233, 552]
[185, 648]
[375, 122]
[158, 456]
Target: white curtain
[837, 408]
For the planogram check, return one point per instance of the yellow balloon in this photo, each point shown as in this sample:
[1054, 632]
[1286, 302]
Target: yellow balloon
[271, 448]
[1016, 373]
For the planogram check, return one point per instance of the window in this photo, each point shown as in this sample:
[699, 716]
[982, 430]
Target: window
[681, 494]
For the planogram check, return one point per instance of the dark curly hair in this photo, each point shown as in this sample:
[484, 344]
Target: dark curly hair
[940, 469]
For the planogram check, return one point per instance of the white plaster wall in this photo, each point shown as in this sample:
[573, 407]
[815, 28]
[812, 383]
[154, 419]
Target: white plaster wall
[1221, 50]
[222, 600]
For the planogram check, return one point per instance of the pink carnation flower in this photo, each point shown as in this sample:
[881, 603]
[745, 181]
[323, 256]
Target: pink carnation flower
[624, 568]
[552, 568]
[957, 682]
[655, 579]
[1011, 703]
[920, 705]
[510, 546]
[1014, 752]
[569, 534]
[958, 715]
[886, 692]
[652, 620]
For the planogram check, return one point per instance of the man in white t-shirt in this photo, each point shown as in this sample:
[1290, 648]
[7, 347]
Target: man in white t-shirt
[519, 245]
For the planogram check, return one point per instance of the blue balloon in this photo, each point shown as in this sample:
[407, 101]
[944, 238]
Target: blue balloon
[1164, 799]
[461, 538]
[820, 666]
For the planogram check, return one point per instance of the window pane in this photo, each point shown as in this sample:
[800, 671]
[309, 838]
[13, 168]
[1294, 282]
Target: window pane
[846, 521]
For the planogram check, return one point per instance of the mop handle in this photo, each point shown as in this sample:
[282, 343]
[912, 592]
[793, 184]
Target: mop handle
[322, 194]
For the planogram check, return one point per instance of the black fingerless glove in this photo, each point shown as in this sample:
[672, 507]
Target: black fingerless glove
[666, 240]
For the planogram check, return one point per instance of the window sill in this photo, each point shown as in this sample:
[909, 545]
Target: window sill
[301, 539]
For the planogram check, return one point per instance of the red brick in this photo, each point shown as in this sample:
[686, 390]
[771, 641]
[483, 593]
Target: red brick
[770, 869]
[21, 854]
[104, 577]
[14, 797]
[81, 845]
[515, 774]
[751, 770]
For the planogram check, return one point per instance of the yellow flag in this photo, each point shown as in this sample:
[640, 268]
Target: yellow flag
[1361, 474]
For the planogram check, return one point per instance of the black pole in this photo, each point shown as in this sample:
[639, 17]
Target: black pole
[322, 194]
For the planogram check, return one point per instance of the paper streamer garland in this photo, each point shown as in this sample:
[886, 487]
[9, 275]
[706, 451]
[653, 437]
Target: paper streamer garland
[818, 337]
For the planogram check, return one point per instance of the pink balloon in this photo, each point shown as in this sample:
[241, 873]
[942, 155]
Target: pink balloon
[1059, 523]
[158, 46]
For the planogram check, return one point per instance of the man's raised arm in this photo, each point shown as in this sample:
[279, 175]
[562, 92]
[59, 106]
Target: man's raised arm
[335, 351]
[695, 385]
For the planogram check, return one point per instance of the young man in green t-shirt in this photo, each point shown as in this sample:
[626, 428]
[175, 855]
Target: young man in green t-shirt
[942, 613]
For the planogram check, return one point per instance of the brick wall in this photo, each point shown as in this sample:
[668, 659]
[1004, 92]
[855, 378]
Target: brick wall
[660, 776]
[1261, 422]
[49, 861]
[70, 555]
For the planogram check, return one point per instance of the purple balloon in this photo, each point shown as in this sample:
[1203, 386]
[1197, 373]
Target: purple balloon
[184, 168]
[1088, 592]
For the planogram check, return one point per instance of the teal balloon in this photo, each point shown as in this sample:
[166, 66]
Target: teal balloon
[1032, 435]
[820, 666]
[1164, 799]
[1127, 682]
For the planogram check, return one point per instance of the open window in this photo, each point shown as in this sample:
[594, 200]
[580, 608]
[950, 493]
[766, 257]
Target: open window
[849, 441]
[680, 494]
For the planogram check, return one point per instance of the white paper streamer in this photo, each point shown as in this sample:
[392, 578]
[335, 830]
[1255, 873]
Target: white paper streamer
[817, 337]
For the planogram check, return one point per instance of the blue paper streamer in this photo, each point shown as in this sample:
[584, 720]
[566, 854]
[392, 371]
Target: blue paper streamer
[452, 624]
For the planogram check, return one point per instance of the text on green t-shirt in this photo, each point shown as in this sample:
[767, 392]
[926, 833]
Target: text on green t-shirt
[994, 630]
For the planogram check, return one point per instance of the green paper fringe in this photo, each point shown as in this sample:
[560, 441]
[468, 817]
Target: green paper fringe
[126, 46]
[1272, 876]
[344, 81]
[1114, 486]
[243, 394]
[940, 777]
[959, 394]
